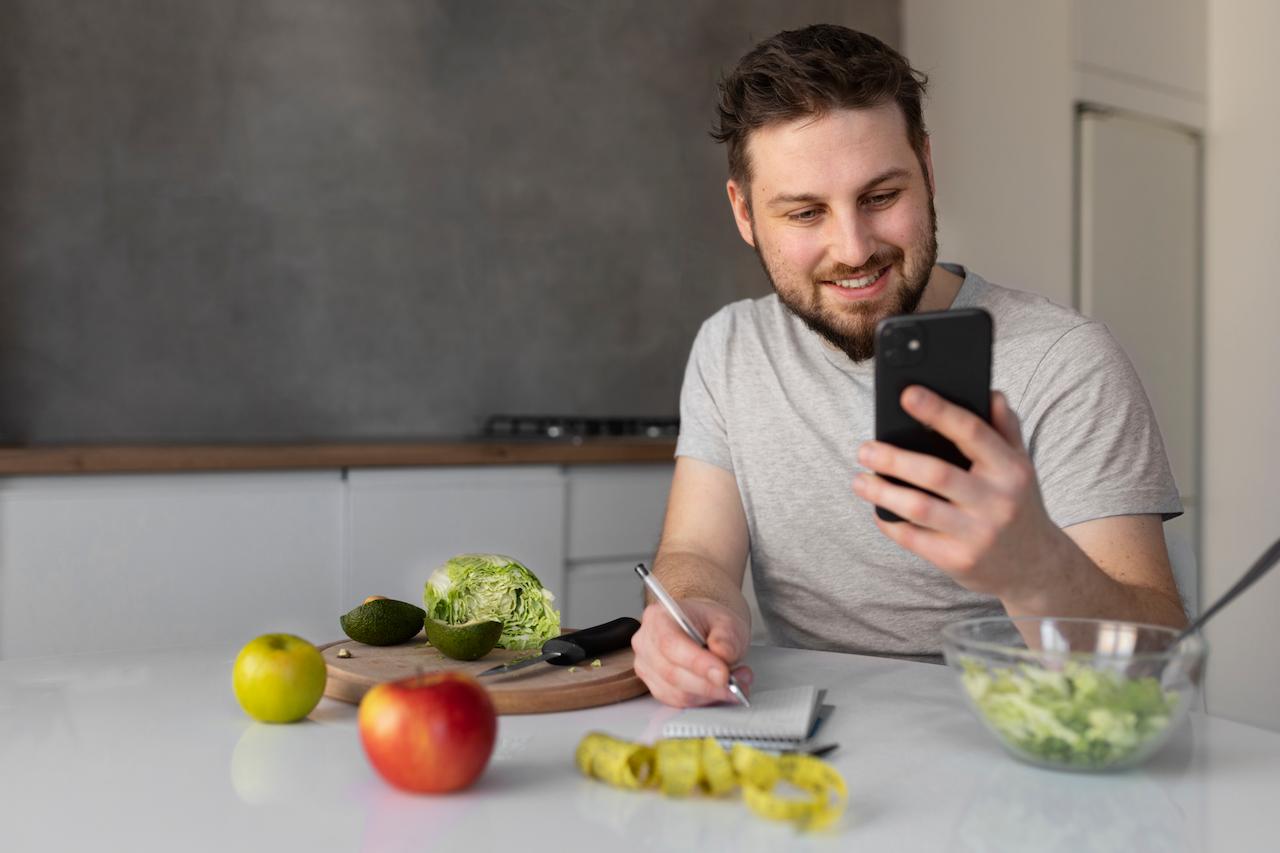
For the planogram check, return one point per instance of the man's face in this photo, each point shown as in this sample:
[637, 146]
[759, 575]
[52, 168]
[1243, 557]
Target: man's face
[841, 215]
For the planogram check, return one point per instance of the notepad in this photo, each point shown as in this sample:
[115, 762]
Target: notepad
[785, 716]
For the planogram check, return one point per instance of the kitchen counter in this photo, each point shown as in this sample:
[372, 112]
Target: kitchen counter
[103, 459]
[149, 751]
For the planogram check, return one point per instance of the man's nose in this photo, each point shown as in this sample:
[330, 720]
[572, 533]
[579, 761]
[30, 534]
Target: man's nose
[853, 244]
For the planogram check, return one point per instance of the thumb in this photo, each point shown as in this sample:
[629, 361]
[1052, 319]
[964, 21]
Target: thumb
[725, 641]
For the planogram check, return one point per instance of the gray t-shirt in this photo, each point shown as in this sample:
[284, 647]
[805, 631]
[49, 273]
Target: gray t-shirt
[768, 400]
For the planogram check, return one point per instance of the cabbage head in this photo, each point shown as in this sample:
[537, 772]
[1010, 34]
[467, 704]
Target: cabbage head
[491, 586]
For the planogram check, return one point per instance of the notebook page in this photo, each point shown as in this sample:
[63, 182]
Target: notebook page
[785, 714]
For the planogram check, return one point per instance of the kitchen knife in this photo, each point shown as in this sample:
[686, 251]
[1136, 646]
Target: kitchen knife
[576, 647]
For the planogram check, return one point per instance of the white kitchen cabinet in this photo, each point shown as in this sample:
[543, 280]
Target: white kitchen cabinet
[170, 560]
[1150, 56]
[404, 523]
[616, 510]
[136, 561]
[600, 591]
[1139, 263]
[614, 520]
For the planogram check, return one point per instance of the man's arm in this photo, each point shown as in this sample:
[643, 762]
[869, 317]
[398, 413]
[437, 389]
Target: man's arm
[701, 560]
[1114, 568]
[993, 534]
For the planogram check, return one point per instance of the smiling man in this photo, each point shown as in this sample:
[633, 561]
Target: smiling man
[831, 182]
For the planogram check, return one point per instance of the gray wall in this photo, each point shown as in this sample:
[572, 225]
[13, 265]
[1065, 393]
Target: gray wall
[360, 219]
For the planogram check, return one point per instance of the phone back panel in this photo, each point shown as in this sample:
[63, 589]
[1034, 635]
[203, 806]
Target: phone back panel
[952, 357]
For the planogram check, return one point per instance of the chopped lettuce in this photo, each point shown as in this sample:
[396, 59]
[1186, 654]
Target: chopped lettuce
[1077, 717]
[490, 586]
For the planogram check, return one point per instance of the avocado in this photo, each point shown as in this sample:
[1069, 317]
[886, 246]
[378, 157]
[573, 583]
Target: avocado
[468, 641]
[383, 622]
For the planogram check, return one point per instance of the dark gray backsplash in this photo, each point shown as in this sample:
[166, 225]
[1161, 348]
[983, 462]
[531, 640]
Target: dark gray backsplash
[360, 219]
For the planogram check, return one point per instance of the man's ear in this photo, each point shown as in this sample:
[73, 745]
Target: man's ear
[741, 205]
[928, 167]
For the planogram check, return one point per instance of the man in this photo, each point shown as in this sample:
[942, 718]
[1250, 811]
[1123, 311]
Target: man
[831, 182]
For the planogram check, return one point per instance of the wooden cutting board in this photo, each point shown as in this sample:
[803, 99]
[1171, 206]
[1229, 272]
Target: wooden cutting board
[533, 690]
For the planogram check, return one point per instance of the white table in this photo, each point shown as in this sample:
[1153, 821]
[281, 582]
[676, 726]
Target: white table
[144, 752]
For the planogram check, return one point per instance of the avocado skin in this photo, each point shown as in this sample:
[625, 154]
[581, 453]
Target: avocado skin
[469, 641]
[383, 622]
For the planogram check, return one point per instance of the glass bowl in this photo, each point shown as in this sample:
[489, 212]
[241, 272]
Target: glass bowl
[1076, 694]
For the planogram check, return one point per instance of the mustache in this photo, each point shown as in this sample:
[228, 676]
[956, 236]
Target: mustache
[878, 261]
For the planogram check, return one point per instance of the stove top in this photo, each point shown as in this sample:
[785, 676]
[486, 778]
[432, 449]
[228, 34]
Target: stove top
[574, 426]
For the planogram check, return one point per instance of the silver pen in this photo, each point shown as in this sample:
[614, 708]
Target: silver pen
[660, 593]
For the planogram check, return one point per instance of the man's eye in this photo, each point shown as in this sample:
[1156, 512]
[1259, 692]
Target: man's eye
[803, 215]
[881, 199]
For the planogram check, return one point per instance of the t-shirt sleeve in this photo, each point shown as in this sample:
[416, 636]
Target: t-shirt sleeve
[1092, 434]
[702, 422]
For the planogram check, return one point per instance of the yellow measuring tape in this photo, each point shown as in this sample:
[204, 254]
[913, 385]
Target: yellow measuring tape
[678, 767]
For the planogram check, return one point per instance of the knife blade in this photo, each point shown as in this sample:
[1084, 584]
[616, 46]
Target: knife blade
[577, 646]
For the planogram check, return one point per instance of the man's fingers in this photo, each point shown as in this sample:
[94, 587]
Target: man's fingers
[667, 693]
[945, 552]
[677, 670]
[722, 640]
[920, 469]
[724, 643]
[973, 436]
[912, 505]
[677, 648]
[676, 685]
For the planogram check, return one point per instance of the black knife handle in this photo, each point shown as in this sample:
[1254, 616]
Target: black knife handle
[591, 642]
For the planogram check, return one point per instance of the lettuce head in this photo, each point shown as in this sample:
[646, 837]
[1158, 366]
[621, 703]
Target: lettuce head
[491, 586]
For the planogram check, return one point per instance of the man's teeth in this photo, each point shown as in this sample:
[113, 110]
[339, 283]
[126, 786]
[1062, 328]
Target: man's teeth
[855, 283]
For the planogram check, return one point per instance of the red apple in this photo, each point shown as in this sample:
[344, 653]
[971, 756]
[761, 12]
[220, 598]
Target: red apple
[430, 733]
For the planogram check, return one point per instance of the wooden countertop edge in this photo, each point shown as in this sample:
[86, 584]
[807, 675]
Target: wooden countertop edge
[103, 459]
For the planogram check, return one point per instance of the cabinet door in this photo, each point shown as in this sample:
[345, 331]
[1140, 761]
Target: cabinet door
[1139, 260]
[599, 592]
[404, 523]
[616, 510]
[615, 520]
[153, 561]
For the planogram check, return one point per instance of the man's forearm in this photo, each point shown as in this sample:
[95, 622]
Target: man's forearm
[1079, 588]
[688, 575]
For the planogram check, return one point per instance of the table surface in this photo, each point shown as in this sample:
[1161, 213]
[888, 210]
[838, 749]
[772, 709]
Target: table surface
[149, 751]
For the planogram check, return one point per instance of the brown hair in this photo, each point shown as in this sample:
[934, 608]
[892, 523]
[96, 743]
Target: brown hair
[808, 72]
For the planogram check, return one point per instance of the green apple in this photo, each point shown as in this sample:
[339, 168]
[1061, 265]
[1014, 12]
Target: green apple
[278, 678]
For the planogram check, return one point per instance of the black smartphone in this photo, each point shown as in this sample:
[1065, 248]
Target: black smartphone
[948, 352]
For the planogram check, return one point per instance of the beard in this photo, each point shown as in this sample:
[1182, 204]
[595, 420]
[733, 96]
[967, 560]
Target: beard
[852, 328]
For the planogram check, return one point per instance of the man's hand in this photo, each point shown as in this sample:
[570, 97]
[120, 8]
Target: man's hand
[992, 534]
[676, 669]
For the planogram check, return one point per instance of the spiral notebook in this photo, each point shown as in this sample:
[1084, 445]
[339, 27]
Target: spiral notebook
[786, 716]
